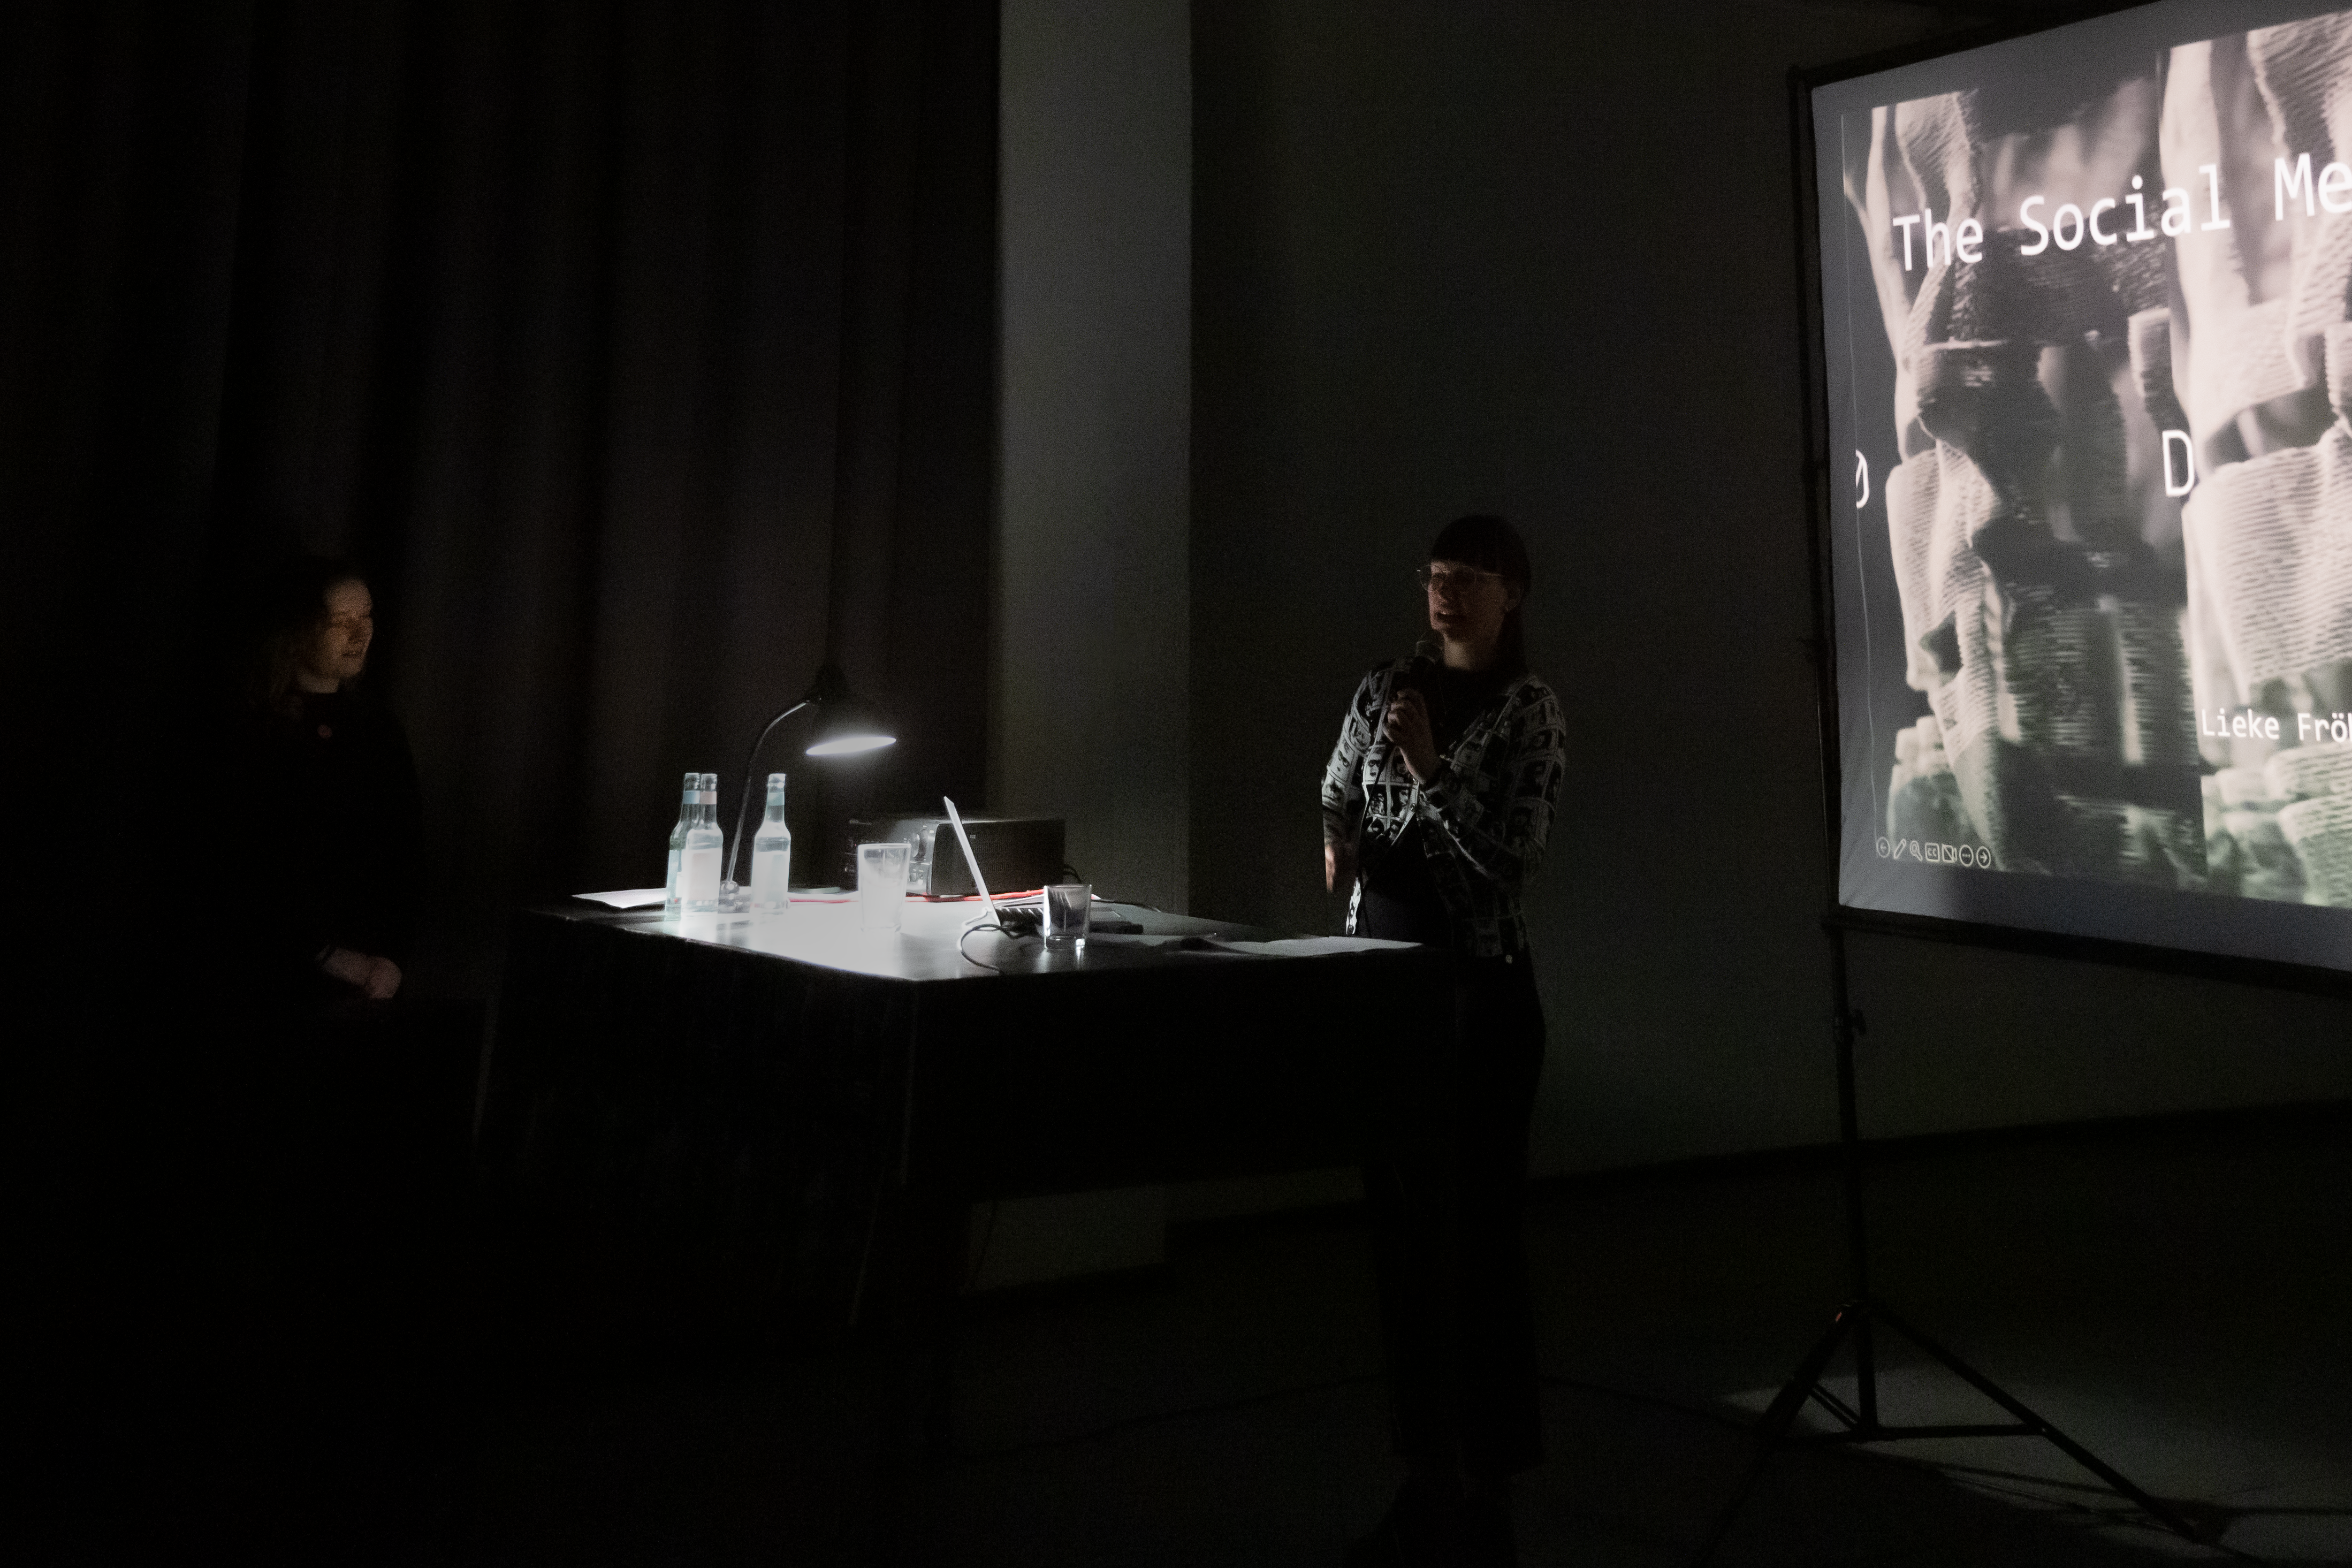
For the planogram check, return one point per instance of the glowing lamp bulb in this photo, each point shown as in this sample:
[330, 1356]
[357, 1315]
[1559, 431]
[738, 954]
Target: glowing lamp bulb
[842, 745]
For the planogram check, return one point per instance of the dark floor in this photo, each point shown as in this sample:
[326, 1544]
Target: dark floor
[2175, 1295]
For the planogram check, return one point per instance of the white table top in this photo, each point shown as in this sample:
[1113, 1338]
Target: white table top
[833, 934]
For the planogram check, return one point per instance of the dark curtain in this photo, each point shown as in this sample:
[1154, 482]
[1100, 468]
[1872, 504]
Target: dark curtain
[641, 353]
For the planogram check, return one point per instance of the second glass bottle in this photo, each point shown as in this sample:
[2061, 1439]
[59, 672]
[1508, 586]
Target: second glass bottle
[771, 856]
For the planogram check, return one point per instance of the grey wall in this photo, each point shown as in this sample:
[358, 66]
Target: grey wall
[1963, 1038]
[1090, 673]
[1089, 681]
[1538, 259]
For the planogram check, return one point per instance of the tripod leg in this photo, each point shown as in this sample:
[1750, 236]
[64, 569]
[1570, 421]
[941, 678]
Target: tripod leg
[1778, 1417]
[2059, 1440]
[1865, 1373]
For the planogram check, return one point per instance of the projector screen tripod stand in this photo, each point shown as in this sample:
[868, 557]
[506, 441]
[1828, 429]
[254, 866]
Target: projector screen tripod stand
[1857, 1325]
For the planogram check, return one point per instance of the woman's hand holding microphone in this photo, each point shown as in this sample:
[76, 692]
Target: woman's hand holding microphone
[1406, 725]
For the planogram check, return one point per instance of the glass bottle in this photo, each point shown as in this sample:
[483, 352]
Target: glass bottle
[672, 904]
[771, 856]
[699, 857]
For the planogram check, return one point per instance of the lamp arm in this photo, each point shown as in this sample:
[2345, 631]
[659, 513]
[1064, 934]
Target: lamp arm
[743, 806]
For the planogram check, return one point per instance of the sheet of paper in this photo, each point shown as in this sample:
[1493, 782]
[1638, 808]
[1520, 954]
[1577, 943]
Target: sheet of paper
[627, 898]
[1310, 946]
[1232, 947]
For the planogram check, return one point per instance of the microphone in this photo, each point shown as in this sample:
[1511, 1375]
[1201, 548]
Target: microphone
[1428, 658]
[1419, 674]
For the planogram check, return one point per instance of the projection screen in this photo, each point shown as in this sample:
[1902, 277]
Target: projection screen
[2087, 336]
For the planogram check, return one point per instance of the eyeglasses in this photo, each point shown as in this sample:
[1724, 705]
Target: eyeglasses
[1452, 579]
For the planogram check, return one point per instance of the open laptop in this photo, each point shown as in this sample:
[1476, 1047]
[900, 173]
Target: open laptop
[1012, 922]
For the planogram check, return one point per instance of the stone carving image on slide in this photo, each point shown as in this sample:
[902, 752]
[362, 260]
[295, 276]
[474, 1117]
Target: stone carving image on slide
[2120, 314]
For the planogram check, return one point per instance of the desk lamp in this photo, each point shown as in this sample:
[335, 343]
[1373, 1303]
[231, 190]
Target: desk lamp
[846, 724]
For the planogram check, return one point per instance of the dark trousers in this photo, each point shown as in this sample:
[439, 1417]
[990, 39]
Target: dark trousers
[1445, 1188]
[323, 1339]
[240, 1266]
[347, 1191]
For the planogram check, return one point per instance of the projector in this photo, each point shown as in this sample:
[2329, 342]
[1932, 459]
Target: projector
[1016, 854]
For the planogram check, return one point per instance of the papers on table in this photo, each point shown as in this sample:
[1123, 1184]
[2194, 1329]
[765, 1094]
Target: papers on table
[1284, 947]
[1307, 946]
[628, 898]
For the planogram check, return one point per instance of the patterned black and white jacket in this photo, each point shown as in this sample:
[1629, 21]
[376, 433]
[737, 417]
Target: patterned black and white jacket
[1488, 812]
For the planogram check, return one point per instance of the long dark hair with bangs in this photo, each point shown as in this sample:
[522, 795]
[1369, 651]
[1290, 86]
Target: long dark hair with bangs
[1490, 543]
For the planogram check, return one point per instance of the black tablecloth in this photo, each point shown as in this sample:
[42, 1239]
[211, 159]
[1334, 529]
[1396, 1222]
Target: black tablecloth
[706, 1119]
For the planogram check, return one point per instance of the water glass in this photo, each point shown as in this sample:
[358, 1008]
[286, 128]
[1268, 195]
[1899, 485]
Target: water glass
[881, 884]
[1070, 908]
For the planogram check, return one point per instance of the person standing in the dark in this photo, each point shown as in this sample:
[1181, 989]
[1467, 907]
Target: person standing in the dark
[333, 1157]
[331, 830]
[1436, 803]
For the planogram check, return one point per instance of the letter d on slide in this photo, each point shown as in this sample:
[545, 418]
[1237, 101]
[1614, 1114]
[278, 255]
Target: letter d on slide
[2188, 464]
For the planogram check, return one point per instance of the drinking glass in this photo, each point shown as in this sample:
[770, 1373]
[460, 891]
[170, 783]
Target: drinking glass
[881, 884]
[1069, 910]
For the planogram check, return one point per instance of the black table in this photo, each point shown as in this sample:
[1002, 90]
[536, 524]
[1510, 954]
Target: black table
[780, 1126]
[751, 1099]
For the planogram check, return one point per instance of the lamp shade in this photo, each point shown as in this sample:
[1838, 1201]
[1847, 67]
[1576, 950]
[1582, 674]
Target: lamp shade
[840, 737]
[846, 723]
